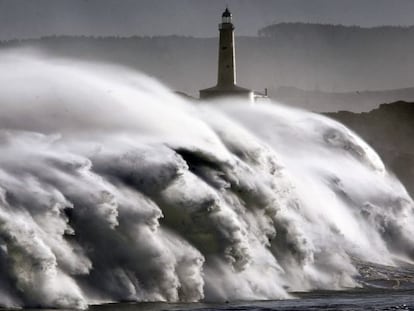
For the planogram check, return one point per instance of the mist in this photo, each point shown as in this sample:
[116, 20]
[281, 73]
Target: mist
[321, 68]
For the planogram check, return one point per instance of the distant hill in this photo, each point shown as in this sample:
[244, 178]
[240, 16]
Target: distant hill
[329, 58]
[334, 33]
[359, 101]
[390, 130]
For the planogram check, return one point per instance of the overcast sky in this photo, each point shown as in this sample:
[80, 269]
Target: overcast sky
[35, 18]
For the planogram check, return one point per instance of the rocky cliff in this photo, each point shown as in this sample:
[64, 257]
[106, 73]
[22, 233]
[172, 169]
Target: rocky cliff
[390, 130]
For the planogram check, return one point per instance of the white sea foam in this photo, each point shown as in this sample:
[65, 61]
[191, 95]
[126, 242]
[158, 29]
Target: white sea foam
[113, 188]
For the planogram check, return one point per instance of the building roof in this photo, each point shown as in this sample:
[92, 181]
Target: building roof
[229, 89]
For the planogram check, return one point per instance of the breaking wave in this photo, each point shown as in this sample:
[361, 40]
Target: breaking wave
[113, 188]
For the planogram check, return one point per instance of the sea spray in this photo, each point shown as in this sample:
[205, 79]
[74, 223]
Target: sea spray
[113, 188]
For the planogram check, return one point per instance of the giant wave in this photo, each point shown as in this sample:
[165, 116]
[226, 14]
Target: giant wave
[112, 188]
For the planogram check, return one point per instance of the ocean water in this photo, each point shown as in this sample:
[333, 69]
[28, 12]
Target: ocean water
[353, 300]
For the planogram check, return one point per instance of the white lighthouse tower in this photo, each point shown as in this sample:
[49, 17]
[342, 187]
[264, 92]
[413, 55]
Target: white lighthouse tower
[226, 78]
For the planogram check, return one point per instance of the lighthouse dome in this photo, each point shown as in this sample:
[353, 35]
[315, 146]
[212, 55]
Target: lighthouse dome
[226, 16]
[226, 13]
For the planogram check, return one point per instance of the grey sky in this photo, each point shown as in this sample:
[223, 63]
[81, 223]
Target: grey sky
[35, 18]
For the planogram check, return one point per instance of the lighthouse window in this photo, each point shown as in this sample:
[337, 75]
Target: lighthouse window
[224, 48]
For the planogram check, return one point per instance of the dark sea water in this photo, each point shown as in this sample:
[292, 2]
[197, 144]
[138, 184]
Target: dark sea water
[384, 288]
[346, 300]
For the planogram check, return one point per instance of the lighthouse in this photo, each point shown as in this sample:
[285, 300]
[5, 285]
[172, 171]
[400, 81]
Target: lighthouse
[226, 78]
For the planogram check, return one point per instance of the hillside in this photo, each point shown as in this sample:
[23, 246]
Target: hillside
[329, 58]
[390, 130]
